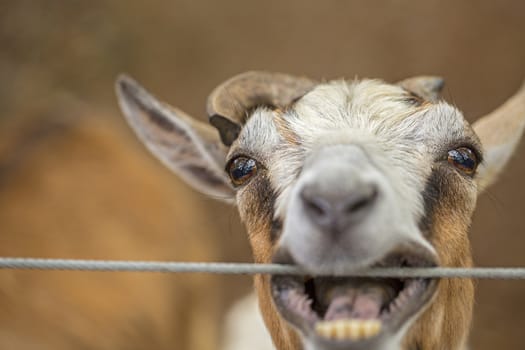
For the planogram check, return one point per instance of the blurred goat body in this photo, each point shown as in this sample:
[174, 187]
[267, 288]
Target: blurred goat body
[72, 189]
[336, 176]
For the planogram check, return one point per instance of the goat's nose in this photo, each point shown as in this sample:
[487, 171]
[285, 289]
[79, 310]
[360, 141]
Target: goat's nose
[336, 211]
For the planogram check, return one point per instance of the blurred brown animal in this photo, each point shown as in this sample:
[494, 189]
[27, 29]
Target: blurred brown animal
[340, 175]
[72, 189]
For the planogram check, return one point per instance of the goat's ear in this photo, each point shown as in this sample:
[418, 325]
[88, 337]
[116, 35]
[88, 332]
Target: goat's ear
[192, 149]
[500, 133]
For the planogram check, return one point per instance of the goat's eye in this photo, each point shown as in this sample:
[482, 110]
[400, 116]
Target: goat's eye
[241, 169]
[464, 159]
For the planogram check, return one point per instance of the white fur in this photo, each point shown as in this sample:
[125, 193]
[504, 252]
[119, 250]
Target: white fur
[244, 327]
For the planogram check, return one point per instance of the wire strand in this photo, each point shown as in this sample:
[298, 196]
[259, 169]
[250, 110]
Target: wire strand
[249, 269]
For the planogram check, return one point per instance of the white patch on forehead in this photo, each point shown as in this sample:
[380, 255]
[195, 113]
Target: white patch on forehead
[367, 105]
[371, 107]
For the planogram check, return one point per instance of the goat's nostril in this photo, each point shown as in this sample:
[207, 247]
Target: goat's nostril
[359, 200]
[315, 205]
[356, 206]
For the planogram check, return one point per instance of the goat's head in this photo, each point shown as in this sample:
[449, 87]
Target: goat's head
[339, 175]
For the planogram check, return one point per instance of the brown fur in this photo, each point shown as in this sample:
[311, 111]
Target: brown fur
[445, 324]
[77, 191]
[283, 336]
[259, 227]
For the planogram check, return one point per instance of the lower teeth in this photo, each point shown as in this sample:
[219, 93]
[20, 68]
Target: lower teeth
[352, 329]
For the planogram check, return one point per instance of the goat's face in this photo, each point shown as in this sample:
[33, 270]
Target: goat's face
[352, 175]
[340, 176]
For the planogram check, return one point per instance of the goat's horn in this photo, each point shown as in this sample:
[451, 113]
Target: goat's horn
[427, 87]
[500, 132]
[229, 103]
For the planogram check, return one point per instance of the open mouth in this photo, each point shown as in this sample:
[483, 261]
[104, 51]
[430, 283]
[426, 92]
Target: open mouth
[353, 310]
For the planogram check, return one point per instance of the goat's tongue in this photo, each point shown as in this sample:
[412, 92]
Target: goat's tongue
[358, 302]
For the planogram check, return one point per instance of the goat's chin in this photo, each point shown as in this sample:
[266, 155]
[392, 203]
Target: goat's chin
[332, 313]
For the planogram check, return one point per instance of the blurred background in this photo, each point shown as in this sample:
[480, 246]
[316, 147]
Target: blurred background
[75, 183]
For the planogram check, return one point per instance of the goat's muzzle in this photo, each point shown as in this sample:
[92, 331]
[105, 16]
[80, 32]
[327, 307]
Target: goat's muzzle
[353, 312]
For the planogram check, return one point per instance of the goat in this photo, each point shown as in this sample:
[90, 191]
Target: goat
[336, 176]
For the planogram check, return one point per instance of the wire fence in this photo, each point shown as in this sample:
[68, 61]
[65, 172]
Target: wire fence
[250, 269]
